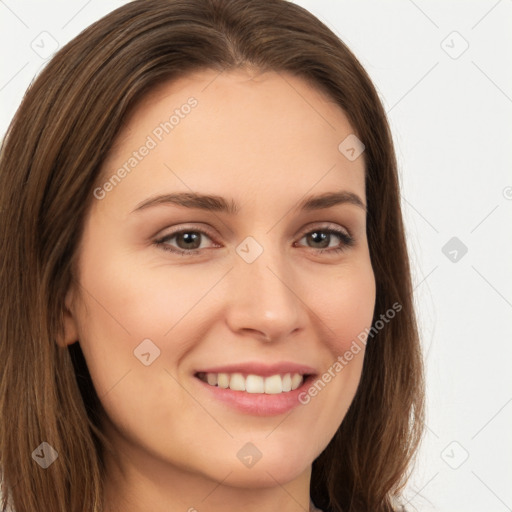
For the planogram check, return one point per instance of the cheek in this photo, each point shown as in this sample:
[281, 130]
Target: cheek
[133, 333]
[345, 310]
[127, 302]
[346, 305]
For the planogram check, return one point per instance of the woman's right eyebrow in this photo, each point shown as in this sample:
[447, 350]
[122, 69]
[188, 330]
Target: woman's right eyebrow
[191, 200]
[220, 204]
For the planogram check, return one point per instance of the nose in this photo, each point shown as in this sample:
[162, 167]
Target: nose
[265, 301]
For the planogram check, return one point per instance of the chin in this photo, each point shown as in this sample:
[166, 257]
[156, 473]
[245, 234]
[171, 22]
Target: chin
[274, 463]
[264, 475]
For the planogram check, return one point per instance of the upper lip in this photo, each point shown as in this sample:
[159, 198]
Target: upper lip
[263, 369]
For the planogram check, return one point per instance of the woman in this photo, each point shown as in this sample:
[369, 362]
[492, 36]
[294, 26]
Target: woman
[206, 296]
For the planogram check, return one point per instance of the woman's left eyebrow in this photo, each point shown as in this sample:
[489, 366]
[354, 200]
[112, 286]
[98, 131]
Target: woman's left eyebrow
[220, 204]
[330, 199]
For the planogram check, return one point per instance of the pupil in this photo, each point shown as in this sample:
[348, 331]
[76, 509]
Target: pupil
[189, 239]
[320, 237]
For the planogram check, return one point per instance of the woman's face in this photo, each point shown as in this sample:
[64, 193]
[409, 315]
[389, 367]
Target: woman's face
[177, 290]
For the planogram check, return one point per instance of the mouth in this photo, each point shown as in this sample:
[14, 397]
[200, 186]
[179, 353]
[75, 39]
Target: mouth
[256, 389]
[250, 383]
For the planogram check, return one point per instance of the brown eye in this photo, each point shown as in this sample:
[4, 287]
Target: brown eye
[321, 239]
[188, 240]
[184, 242]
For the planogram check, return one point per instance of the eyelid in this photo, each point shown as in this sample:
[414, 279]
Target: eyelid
[310, 227]
[178, 228]
[326, 225]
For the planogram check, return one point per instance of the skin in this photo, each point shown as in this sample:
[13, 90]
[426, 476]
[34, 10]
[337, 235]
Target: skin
[264, 141]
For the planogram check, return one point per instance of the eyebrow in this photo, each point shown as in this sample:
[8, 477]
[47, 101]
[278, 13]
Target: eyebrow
[220, 204]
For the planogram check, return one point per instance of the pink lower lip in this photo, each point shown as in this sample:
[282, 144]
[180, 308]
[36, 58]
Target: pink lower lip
[259, 404]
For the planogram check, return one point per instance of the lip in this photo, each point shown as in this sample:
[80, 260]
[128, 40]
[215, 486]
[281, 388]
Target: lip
[257, 404]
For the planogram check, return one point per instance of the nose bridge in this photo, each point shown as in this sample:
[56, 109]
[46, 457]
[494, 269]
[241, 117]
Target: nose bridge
[263, 296]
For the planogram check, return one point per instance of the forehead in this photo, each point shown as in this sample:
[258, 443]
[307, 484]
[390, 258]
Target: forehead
[245, 130]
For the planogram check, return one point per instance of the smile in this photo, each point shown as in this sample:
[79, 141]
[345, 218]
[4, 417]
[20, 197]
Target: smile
[271, 385]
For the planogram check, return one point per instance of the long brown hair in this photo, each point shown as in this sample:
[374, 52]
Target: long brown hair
[49, 163]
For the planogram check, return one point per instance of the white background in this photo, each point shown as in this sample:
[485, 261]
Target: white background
[450, 114]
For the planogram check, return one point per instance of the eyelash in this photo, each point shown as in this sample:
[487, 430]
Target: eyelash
[347, 241]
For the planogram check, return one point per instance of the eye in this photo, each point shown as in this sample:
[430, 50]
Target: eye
[321, 239]
[188, 241]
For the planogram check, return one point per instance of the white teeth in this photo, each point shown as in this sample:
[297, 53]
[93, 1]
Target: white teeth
[296, 380]
[237, 382]
[287, 382]
[223, 380]
[254, 384]
[272, 385]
